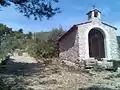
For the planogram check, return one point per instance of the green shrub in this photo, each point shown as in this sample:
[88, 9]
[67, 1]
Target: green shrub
[5, 60]
[20, 53]
[41, 49]
[98, 68]
[118, 75]
[114, 75]
[115, 65]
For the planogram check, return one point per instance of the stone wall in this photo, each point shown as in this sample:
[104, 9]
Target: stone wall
[75, 45]
[83, 47]
[111, 45]
[112, 42]
[69, 47]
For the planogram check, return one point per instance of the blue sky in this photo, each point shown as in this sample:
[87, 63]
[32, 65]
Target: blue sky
[73, 12]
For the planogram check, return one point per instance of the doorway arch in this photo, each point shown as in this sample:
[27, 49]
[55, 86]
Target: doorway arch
[96, 39]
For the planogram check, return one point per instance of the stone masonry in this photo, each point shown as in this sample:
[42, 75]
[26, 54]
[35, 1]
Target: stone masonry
[74, 44]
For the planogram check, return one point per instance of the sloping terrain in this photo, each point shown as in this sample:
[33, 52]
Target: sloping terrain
[24, 73]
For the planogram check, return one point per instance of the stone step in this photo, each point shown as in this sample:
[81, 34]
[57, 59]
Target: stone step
[88, 67]
[90, 63]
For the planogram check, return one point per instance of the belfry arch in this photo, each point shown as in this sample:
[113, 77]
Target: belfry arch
[96, 39]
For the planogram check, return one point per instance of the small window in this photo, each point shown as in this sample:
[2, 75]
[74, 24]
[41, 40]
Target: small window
[89, 16]
[95, 14]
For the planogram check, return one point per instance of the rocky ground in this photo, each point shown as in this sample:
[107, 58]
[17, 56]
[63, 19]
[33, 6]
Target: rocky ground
[25, 73]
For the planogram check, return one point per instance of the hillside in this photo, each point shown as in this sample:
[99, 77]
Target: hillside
[43, 35]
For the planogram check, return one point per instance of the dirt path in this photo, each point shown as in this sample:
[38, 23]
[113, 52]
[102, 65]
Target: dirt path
[25, 58]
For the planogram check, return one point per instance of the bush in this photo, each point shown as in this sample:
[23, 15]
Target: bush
[116, 64]
[118, 75]
[98, 68]
[20, 53]
[7, 83]
[114, 75]
[7, 46]
[5, 60]
[41, 49]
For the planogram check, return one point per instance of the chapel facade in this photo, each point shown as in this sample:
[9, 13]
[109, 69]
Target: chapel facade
[91, 39]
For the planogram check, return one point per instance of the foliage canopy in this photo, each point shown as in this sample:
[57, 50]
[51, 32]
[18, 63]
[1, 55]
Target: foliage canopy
[37, 9]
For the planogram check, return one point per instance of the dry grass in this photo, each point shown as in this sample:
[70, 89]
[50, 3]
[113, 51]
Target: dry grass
[56, 76]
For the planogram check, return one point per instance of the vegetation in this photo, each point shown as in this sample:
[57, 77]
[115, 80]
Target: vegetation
[36, 45]
[27, 76]
[45, 47]
[8, 42]
[113, 75]
[37, 9]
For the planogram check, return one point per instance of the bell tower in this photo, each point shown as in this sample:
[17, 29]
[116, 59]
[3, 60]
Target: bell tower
[94, 14]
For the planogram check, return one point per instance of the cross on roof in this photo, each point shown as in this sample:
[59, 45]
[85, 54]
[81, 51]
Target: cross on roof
[93, 6]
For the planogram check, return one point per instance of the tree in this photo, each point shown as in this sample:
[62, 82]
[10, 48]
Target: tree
[47, 47]
[4, 30]
[20, 31]
[56, 33]
[9, 40]
[7, 45]
[29, 35]
[37, 9]
[17, 34]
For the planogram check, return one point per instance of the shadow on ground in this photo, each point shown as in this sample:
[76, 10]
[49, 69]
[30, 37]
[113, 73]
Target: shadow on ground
[96, 88]
[19, 68]
[13, 75]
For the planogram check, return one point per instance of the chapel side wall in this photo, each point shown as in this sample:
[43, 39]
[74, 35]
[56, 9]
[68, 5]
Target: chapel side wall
[83, 42]
[69, 46]
[114, 49]
[111, 42]
[118, 41]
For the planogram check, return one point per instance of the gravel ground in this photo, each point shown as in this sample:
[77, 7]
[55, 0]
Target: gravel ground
[24, 73]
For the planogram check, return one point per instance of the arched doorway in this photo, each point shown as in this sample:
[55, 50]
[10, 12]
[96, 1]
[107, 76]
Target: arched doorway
[96, 43]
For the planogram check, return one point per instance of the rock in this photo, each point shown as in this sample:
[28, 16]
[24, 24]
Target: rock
[68, 63]
[90, 63]
[118, 69]
[105, 64]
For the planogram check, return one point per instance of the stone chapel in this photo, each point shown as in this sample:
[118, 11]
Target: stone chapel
[91, 39]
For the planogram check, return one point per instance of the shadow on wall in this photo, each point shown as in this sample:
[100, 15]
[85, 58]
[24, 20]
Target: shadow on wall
[68, 40]
[118, 41]
[96, 88]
